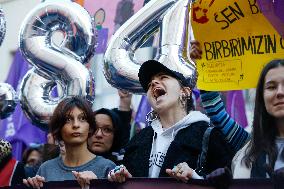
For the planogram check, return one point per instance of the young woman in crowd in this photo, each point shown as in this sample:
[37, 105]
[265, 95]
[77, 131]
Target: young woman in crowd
[72, 122]
[32, 158]
[264, 152]
[175, 133]
[112, 129]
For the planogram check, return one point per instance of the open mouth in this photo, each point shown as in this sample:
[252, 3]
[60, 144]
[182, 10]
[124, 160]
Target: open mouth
[157, 92]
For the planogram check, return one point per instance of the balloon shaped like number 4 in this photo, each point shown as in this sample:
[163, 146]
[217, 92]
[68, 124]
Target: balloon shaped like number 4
[173, 19]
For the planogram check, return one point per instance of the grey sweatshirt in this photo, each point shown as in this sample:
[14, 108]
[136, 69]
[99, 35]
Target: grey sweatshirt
[55, 170]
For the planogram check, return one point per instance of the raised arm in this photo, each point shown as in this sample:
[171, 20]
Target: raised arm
[124, 112]
[235, 135]
[211, 101]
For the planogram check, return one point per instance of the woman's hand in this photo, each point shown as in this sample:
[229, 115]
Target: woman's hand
[119, 174]
[84, 178]
[182, 172]
[124, 100]
[195, 51]
[35, 182]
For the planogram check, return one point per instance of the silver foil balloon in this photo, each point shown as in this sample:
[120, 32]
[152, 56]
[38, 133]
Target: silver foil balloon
[172, 18]
[2, 26]
[8, 100]
[55, 64]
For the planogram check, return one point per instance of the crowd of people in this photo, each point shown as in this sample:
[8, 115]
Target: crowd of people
[178, 141]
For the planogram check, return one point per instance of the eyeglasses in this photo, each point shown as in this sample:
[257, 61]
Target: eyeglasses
[105, 131]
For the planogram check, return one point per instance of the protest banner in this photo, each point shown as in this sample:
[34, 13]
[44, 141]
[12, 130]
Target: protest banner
[237, 41]
[158, 183]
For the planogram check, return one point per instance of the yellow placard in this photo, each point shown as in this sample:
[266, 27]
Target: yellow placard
[236, 40]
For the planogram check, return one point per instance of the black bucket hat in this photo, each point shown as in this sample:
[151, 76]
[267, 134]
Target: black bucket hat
[152, 67]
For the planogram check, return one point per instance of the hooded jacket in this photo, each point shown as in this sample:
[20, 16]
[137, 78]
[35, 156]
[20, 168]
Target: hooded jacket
[184, 144]
[163, 138]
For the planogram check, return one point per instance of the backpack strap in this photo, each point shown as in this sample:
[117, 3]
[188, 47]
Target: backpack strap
[202, 157]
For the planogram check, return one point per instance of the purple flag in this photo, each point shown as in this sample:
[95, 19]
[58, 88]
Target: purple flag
[143, 109]
[17, 129]
[236, 107]
[273, 10]
[101, 40]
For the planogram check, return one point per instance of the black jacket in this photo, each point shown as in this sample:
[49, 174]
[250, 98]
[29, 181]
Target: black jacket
[186, 147]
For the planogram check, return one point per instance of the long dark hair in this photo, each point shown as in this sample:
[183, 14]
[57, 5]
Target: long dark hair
[264, 130]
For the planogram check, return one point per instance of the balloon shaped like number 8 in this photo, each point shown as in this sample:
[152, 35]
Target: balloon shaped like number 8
[54, 64]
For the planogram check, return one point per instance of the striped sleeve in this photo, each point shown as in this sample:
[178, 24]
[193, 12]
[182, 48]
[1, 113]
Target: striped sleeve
[214, 107]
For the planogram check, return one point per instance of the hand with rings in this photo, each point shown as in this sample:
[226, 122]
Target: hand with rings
[119, 174]
[181, 172]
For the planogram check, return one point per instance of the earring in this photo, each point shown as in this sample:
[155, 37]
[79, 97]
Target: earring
[151, 116]
[182, 99]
